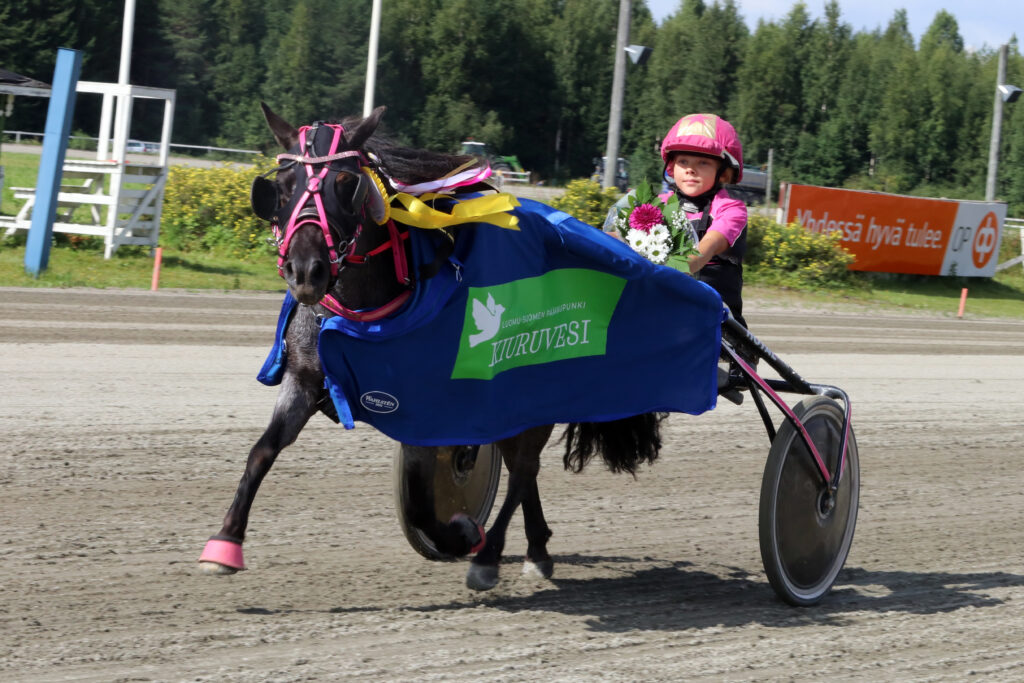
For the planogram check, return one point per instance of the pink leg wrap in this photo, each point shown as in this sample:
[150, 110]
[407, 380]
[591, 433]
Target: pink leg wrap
[480, 530]
[227, 553]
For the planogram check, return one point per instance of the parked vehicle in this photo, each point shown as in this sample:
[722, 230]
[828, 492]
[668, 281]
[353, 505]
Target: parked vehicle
[139, 147]
[484, 151]
[753, 189]
[621, 172]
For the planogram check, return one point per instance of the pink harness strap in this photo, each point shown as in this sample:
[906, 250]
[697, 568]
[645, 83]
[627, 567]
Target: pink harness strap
[336, 307]
[313, 188]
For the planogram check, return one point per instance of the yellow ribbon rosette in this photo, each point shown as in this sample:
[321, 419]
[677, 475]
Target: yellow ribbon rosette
[380, 209]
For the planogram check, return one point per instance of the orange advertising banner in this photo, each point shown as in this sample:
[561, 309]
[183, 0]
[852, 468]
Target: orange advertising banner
[899, 234]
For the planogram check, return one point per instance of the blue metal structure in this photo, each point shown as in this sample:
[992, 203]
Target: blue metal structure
[51, 163]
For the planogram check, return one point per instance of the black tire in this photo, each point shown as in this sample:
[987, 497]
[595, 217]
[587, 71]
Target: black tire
[804, 545]
[465, 480]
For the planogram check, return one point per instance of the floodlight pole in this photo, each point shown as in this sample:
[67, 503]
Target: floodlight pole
[371, 59]
[611, 164]
[123, 78]
[997, 124]
[127, 31]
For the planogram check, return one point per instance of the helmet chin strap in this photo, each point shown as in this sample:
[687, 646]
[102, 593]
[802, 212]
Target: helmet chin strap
[698, 203]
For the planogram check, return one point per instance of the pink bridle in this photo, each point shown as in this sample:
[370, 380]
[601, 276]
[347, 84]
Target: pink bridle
[302, 216]
[314, 184]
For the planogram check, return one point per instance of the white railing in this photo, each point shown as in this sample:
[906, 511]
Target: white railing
[513, 176]
[1017, 223]
[19, 134]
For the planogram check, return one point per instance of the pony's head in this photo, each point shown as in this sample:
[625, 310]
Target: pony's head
[317, 199]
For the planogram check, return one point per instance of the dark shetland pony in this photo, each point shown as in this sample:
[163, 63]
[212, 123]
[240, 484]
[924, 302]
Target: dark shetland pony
[326, 251]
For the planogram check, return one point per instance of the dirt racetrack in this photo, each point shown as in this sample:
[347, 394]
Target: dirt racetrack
[127, 417]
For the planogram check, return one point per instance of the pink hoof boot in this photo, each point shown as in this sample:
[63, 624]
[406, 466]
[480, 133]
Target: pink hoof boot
[459, 516]
[224, 553]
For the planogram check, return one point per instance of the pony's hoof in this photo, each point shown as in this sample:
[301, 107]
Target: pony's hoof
[543, 569]
[482, 577]
[214, 569]
[471, 530]
[222, 553]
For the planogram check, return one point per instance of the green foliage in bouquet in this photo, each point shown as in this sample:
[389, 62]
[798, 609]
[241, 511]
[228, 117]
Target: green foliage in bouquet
[659, 231]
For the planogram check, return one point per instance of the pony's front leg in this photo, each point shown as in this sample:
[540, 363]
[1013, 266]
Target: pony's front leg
[296, 403]
[522, 458]
[456, 537]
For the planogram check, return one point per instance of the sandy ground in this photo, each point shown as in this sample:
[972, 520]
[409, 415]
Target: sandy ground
[126, 418]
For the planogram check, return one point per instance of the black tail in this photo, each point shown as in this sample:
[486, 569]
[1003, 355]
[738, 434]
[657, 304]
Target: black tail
[624, 444]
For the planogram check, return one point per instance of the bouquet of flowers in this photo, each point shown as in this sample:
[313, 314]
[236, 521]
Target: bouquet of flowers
[660, 232]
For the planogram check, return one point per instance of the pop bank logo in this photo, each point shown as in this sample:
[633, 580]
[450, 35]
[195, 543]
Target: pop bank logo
[379, 402]
[984, 244]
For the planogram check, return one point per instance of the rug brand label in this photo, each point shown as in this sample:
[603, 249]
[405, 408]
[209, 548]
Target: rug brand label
[559, 315]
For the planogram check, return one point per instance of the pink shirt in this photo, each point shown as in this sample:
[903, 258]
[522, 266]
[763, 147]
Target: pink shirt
[728, 215]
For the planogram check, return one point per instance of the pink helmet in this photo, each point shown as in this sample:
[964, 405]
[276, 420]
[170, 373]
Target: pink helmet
[705, 134]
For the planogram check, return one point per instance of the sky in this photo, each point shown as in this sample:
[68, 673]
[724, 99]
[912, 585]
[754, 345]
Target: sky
[981, 22]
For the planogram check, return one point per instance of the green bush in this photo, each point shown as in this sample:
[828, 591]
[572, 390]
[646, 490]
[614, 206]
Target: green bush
[791, 256]
[208, 210]
[585, 200]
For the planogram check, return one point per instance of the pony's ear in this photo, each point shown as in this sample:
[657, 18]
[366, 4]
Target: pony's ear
[365, 128]
[283, 131]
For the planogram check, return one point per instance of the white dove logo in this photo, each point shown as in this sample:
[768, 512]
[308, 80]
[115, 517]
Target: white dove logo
[487, 319]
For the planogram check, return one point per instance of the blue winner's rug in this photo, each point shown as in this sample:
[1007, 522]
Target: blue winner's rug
[556, 322]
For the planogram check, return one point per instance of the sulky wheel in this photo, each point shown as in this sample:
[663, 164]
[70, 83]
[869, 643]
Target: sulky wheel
[805, 533]
[465, 480]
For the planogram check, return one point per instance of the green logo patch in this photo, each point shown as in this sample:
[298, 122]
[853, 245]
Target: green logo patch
[562, 314]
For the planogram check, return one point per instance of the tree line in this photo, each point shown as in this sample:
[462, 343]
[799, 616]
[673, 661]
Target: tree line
[868, 109]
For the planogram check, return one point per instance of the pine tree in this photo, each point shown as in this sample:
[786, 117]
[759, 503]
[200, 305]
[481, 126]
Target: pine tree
[770, 103]
[943, 84]
[582, 52]
[187, 27]
[238, 72]
[311, 78]
[894, 135]
[29, 37]
[822, 154]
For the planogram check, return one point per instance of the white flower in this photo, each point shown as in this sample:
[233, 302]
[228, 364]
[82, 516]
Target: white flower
[638, 240]
[657, 250]
[659, 232]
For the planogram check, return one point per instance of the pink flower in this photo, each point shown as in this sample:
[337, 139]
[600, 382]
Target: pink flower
[644, 217]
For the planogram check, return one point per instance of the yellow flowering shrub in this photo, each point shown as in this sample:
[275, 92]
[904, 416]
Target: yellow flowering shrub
[207, 209]
[587, 201]
[788, 254]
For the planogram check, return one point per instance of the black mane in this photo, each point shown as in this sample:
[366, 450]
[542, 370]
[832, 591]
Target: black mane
[407, 164]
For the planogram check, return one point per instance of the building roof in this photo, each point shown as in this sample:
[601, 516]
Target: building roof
[16, 84]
